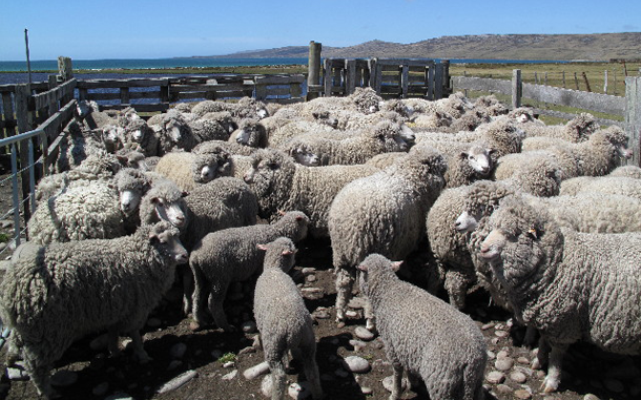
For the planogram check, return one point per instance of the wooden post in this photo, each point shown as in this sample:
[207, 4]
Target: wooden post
[587, 83]
[327, 77]
[447, 81]
[405, 80]
[314, 65]
[517, 88]
[24, 117]
[633, 117]
[615, 82]
[545, 78]
[65, 68]
[536, 78]
[605, 82]
[350, 84]
[439, 75]
[563, 78]
[576, 81]
[465, 90]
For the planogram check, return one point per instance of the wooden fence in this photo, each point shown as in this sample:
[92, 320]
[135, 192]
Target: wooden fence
[391, 78]
[628, 107]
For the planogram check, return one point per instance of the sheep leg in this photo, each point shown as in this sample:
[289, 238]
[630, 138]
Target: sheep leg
[370, 321]
[139, 351]
[13, 349]
[188, 289]
[197, 297]
[344, 285]
[278, 379]
[40, 375]
[216, 309]
[542, 355]
[308, 356]
[553, 377]
[397, 382]
[455, 285]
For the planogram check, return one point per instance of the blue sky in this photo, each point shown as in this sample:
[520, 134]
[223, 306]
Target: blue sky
[160, 29]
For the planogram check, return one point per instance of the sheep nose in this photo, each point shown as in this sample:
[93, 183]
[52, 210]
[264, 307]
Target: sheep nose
[182, 258]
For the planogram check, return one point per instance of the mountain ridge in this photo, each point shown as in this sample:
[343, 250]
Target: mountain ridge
[566, 47]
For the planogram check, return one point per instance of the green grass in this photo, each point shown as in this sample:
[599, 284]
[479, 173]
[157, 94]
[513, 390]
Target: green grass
[227, 357]
[4, 238]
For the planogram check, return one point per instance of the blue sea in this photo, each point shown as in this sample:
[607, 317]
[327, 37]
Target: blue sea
[14, 72]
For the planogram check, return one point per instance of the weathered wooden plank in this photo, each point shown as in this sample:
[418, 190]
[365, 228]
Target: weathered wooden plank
[517, 88]
[569, 116]
[633, 116]
[162, 107]
[573, 98]
[439, 75]
[279, 79]
[155, 94]
[210, 88]
[10, 122]
[121, 83]
[482, 84]
[43, 100]
[54, 124]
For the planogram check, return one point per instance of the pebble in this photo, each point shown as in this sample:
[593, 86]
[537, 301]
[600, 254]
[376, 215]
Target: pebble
[266, 386]
[178, 350]
[518, 377]
[321, 313]
[230, 375]
[504, 389]
[523, 360]
[5, 223]
[351, 314]
[177, 381]
[256, 371]
[101, 389]
[491, 355]
[487, 326]
[503, 364]
[299, 390]
[495, 377]
[154, 322]
[363, 333]
[502, 354]
[228, 364]
[249, 327]
[311, 278]
[64, 378]
[501, 334]
[590, 396]
[357, 344]
[356, 364]
[522, 394]
[614, 385]
[308, 270]
[3, 246]
[357, 303]
[119, 396]
[366, 390]
[17, 374]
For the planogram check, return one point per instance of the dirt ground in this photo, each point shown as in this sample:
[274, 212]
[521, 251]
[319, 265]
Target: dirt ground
[586, 370]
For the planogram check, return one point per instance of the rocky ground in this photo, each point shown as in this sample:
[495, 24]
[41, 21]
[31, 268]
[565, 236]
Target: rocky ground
[215, 365]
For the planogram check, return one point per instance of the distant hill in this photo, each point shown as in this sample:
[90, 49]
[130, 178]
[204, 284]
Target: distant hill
[585, 47]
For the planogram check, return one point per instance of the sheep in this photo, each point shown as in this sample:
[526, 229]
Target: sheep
[132, 185]
[295, 128]
[539, 173]
[65, 291]
[606, 184]
[417, 330]
[383, 138]
[189, 170]
[282, 318]
[173, 130]
[631, 171]
[563, 282]
[250, 133]
[576, 130]
[75, 148]
[281, 184]
[141, 137]
[231, 255]
[164, 201]
[91, 211]
[382, 213]
[246, 107]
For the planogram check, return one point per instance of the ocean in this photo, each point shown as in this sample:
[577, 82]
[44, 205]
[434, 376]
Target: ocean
[14, 72]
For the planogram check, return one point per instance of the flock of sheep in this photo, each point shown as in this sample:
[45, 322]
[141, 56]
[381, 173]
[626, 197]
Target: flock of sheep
[540, 216]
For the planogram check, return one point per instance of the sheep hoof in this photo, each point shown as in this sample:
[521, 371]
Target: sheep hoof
[194, 326]
[549, 385]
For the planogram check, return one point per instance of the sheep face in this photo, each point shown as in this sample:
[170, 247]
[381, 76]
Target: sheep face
[374, 265]
[479, 160]
[206, 167]
[465, 223]
[304, 156]
[170, 211]
[166, 240]
[129, 201]
[112, 135]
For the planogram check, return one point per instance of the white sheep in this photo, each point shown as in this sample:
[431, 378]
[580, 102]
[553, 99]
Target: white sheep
[189, 169]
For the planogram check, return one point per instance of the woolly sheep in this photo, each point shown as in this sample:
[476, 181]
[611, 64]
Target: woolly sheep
[550, 273]
[91, 211]
[282, 318]
[164, 201]
[250, 133]
[281, 184]
[383, 138]
[141, 137]
[132, 185]
[417, 328]
[295, 128]
[539, 173]
[173, 130]
[56, 295]
[631, 171]
[605, 184]
[231, 255]
[382, 213]
[576, 130]
[189, 170]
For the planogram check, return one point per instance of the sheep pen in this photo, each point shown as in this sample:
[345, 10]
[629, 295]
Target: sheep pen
[218, 362]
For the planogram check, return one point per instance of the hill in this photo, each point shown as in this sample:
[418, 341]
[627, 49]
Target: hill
[587, 47]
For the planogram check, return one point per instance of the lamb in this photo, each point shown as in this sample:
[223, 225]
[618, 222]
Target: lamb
[417, 328]
[281, 184]
[576, 130]
[56, 295]
[383, 138]
[282, 318]
[606, 184]
[563, 283]
[91, 211]
[231, 255]
[189, 170]
[382, 213]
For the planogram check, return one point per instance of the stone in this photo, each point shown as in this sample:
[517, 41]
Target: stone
[228, 364]
[490, 355]
[389, 381]
[487, 326]
[502, 354]
[495, 377]
[503, 364]
[101, 389]
[351, 314]
[590, 396]
[501, 334]
[523, 360]
[266, 386]
[518, 377]
[504, 389]
[363, 333]
[64, 378]
[366, 390]
[249, 327]
[256, 371]
[356, 364]
[522, 394]
[357, 303]
[308, 270]
[321, 313]
[17, 374]
[178, 350]
[230, 375]
[311, 278]
[357, 344]
[119, 396]
[177, 381]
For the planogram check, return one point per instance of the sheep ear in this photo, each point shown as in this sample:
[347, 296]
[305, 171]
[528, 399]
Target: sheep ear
[286, 252]
[153, 238]
[262, 247]
[184, 194]
[362, 267]
[155, 200]
[281, 212]
[396, 265]
[122, 159]
[463, 155]
[534, 233]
